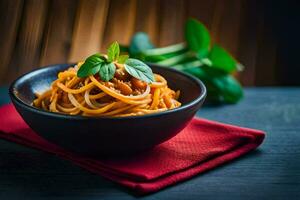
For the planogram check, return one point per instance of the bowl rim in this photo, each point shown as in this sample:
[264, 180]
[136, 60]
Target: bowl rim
[16, 99]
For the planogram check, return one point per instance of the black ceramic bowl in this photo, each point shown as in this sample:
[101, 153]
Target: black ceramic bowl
[106, 135]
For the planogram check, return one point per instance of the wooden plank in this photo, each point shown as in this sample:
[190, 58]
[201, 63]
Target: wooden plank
[9, 19]
[120, 24]
[89, 29]
[217, 15]
[148, 18]
[266, 73]
[27, 50]
[248, 46]
[173, 17]
[202, 10]
[225, 26]
[58, 34]
[227, 20]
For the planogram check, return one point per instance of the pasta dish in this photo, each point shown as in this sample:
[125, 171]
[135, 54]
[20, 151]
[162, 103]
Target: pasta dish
[112, 89]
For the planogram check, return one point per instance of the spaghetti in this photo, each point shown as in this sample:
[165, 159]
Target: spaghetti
[123, 95]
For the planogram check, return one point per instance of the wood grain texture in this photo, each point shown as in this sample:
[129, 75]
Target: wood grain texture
[266, 58]
[89, 28]
[27, 50]
[148, 18]
[9, 20]
[172, 21]
[120, 23]
[58, 32]
[202, 9]
[228, 31]
[249, 34]
[42, 32]
[271, 172]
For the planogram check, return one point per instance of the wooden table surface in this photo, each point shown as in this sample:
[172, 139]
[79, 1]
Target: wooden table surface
[271, 172]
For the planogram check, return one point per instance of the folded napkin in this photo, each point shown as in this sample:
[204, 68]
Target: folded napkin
[201, 146]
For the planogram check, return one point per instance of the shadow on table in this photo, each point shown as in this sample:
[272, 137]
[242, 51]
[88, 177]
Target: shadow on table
[39, 174]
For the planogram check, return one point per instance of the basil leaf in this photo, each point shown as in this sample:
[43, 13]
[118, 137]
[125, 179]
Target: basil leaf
[122, 59]
[113, 52]
[107, 71]
[90, 66]
[197, 37]
[139, 43]
[221, 59]
[124, 48]
[139, 70]
[221, 87]
[230, 89]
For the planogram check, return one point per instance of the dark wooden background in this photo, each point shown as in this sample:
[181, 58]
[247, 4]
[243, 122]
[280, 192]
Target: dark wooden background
[41, 32]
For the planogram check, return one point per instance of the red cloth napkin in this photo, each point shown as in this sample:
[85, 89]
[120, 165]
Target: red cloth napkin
[201, 146]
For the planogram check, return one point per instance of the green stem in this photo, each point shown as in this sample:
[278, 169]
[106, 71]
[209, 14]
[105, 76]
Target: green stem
[165, 50]
[193, 64]
[188, 65]
[176, 59]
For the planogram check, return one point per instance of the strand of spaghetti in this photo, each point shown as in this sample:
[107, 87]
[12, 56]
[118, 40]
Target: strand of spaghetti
[52, 106]
[151, 111]
[167, 101]
[159, 81]
[97, 96]
[128, 114]
[118, 110]
[134, 109]
[87, 110]
[67, 110]
[155, 101]
[54, 91]
[78, 97]
[99, 104]
[161, 104]
[177, 94]
[66, 105]
[117, 95]
[65, 74]
[44, 106]
[87, 99]
[96, 104]
[176, 103]
[74, 91]
[120, 104]
[75, 112]
[86, 81]
[37, 102]
[73, 82]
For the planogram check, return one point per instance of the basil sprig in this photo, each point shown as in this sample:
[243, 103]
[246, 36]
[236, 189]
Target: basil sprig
[197, 37]
[106, 66]
[197, 55]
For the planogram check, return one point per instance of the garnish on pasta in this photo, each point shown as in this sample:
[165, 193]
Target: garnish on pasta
[111, 85]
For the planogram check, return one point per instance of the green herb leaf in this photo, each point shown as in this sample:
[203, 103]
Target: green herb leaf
[107, 71]
[124, 48]
[122, 59]
[197, 37]
[90, 66]
[113, 52]
[221, 86]
[139, 70]
[230, 89]
[221, 59]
